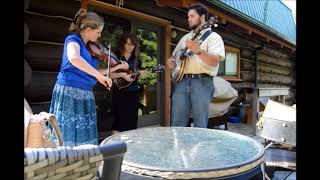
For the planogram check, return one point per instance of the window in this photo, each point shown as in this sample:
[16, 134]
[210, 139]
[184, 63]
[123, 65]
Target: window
[230, 67]
[176, 34]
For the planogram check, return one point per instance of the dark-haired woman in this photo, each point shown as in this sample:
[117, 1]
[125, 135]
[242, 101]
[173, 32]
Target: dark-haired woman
[125, 101]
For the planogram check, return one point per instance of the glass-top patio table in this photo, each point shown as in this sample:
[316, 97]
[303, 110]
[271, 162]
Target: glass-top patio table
[187, 152]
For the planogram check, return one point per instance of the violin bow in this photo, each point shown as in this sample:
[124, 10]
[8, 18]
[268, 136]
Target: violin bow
[109, 56]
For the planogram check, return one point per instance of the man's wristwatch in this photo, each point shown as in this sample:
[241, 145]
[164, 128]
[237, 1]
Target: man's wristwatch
[198, 52]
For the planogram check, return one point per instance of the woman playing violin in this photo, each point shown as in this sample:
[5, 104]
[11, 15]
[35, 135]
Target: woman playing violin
[125, 101]
[73, 101]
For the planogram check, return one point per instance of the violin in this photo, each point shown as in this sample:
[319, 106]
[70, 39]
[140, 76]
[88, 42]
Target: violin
[97, 50]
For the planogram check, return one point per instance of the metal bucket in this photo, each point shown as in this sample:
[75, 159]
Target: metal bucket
[279, 123]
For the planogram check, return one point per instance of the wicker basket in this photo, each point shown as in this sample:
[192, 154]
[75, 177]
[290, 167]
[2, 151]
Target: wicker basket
[79, 162]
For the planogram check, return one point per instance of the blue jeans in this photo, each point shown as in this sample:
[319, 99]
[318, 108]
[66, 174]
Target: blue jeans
[195, 95]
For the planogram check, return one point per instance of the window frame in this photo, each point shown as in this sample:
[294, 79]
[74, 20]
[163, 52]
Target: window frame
[231, 77]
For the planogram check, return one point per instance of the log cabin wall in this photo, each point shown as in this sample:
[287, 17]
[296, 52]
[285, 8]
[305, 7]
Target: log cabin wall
[46, 26]
[275, 63]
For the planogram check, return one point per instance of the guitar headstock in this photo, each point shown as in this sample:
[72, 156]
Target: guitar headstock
[213, 20]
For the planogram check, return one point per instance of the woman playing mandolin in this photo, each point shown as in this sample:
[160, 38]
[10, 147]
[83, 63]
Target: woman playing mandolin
[125, 100]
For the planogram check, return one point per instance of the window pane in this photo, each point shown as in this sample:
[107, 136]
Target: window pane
[231, 64]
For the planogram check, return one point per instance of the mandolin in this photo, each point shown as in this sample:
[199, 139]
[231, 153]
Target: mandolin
[122, 83]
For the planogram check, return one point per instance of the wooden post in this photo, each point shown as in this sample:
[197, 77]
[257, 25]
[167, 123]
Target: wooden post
[255, 109]
[167, 77]
[84, 4]
[26, 33]
[26, 4]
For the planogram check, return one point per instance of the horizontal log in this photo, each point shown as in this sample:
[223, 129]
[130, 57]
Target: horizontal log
[27, 74]
[53, 7]
[236, 38]
[26, 33]
[240, 85]
[280, 53]
[246, 53]
[43, 56]
[266, 78]
[176, 17]
[276, 61]
[43, 28]
[41, 86]
[248, 65]
[253, 42]
[250, 44]
[266, 58]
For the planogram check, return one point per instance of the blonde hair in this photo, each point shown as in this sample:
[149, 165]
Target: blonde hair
[84, 19]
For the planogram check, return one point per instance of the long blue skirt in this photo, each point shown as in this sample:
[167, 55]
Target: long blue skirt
[75, 110]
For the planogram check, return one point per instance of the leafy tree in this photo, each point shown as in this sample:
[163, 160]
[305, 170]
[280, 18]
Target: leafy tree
[148, 46]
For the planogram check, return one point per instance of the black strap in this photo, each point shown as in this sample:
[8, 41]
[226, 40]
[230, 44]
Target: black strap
[204, 36]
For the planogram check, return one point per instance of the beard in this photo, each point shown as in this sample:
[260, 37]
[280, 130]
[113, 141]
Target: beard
[193, 27]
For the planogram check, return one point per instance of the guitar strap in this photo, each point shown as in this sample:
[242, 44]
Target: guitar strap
[204, 36]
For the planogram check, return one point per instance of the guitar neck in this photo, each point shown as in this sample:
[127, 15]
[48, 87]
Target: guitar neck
[184, 50]
[148, 70]
[157, 68]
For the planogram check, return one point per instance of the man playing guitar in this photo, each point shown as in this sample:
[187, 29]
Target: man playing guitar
[195, 89]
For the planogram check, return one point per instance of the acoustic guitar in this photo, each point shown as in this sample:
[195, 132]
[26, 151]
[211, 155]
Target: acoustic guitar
[181, 56]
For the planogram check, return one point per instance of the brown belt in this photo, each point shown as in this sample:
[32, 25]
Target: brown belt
[195, 76]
